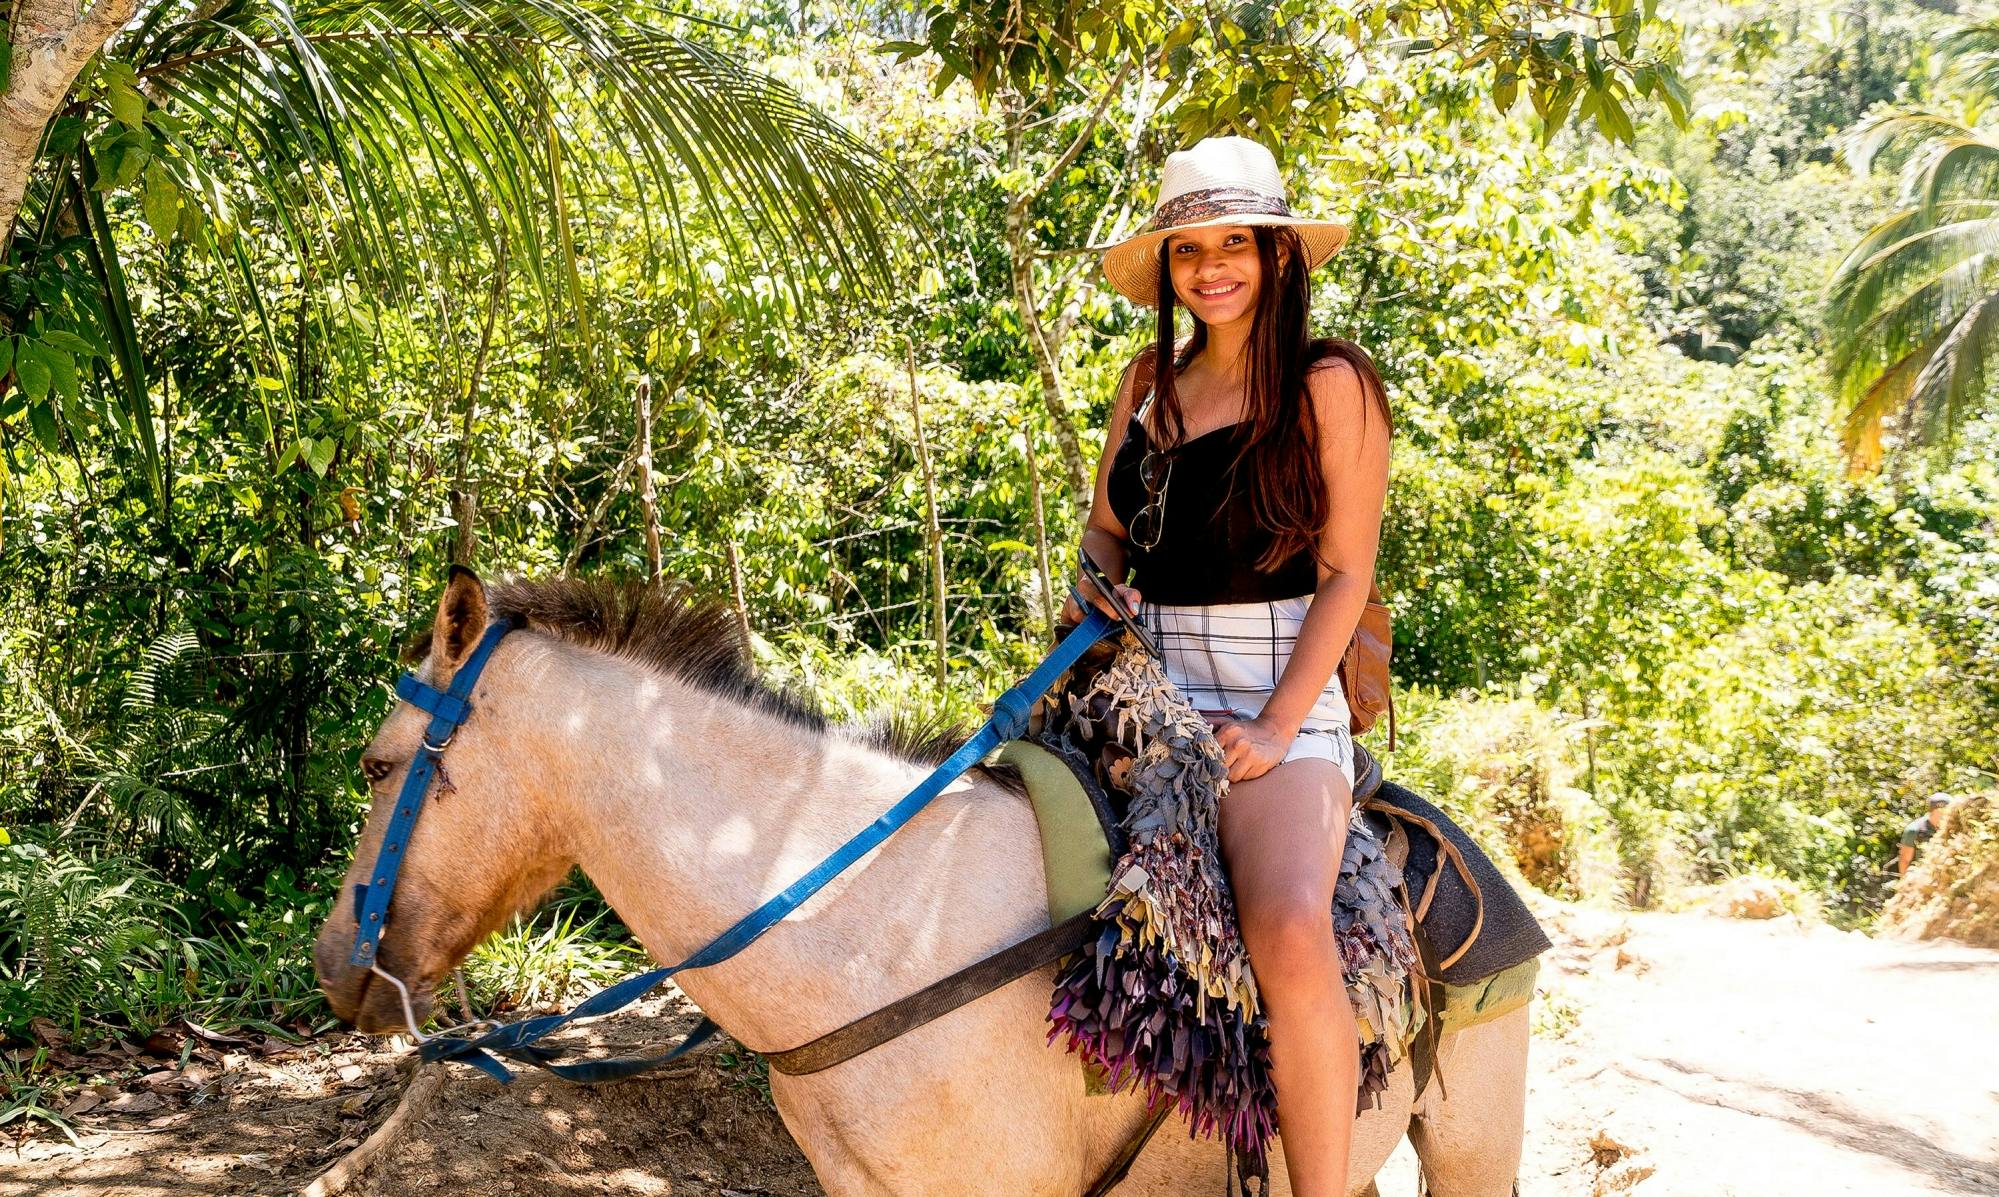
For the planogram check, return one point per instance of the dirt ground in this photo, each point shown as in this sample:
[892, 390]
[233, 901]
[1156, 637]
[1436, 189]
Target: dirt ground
[1674, 1054]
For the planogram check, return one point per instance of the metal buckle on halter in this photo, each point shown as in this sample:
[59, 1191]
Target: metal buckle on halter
[438, 749]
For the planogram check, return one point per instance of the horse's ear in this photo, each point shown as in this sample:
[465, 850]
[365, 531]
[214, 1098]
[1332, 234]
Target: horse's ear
[461, 620]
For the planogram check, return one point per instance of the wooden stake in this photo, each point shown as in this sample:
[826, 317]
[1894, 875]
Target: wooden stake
[1040, 534]
[648, 498]
[736, 588]
[933, 532]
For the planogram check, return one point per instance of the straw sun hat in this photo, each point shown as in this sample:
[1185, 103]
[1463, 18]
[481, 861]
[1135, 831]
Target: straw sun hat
[1219, 180]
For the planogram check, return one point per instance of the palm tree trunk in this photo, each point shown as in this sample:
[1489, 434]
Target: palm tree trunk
[53, 39]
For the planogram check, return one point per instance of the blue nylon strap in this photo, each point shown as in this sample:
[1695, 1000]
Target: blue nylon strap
[448, 709]
[432, 700]
[1008, 721]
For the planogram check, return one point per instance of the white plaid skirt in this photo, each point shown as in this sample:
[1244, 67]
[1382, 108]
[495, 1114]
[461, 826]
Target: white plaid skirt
[1229, 656]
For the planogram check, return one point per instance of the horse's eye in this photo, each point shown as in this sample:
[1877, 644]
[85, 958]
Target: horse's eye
[374, 768]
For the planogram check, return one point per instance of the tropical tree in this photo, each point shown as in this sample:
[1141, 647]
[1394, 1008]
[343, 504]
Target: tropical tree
[388, 152]
[1913, 309]
[1128, 81]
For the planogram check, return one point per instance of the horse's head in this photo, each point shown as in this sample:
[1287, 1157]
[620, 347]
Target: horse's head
[484, 846]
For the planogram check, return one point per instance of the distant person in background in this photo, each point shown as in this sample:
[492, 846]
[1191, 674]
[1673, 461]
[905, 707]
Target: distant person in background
[1924, 826]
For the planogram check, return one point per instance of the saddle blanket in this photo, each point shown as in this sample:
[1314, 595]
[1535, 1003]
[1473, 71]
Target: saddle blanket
[1495, 975]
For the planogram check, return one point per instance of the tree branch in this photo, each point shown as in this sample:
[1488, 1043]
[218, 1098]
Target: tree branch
[1075, 146]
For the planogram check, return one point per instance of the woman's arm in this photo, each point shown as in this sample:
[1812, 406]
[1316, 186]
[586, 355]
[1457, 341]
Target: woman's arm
[1103, 534]
[1353, 456]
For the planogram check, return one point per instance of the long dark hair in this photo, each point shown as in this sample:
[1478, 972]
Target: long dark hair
[1280, 443]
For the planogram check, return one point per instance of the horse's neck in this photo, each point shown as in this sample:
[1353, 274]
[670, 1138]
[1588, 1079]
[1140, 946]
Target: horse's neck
[696, 809]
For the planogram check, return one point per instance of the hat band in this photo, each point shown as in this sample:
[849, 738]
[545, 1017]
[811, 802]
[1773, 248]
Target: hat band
[1209, 202]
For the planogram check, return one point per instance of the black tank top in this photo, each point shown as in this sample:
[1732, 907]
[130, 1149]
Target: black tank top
[1210, 539]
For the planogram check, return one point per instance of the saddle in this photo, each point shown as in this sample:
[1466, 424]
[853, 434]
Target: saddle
[1479, 943]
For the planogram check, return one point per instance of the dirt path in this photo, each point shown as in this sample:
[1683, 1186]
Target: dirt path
[1758, 1058]
[1700, 1056]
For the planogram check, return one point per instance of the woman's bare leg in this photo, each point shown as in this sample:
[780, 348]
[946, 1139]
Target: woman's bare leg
[1282, 835]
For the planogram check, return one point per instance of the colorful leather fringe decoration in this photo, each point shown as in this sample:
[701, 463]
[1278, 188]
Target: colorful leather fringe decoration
[1164, 1000]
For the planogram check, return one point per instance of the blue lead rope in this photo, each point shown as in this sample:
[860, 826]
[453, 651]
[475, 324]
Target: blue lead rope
[517, 1041]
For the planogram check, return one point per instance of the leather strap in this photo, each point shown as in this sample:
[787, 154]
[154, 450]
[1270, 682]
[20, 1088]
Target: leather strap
[1121, 1163]
[939, 998]
[961, 988]
[1446, 850]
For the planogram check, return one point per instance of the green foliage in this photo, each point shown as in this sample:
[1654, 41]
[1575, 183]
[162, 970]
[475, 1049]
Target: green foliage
[1649, 632]
[77, 923]
[1279, 68]
[28, 1096]
[565, 950]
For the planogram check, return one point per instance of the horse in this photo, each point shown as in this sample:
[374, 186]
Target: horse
[624, 731]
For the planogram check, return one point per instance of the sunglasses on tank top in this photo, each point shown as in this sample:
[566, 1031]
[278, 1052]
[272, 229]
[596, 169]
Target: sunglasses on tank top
[1155, 471]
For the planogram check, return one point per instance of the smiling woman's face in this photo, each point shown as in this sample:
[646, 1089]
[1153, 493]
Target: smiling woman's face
[1215, 271]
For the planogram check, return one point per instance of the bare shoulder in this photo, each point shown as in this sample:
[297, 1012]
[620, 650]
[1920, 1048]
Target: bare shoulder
[1338, 394]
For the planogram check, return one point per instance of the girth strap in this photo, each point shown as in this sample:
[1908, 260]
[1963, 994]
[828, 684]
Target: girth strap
[906, 1014]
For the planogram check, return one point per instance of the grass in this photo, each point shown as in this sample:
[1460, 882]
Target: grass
[745, 1069]
[1555, 1015]
[566, 949]
[30, 1092]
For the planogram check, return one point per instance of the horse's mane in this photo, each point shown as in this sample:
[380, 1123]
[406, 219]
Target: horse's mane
[674, 630]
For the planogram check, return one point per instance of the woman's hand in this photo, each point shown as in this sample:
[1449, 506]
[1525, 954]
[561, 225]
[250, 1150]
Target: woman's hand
[1073, 614]
[1251, 747]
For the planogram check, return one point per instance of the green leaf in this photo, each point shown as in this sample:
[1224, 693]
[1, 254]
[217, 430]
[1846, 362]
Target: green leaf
[6, 355]
[161, 201]
[69, 342]
[1626, 32]
[6, 56]
[32, 371]
[120, 159]
[43, 421]
[62, 371]
[1611, 117]
[1677, 100]
[320, 456]
[128, 107]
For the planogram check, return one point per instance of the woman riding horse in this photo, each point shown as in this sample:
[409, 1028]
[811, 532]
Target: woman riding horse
[1244, 490]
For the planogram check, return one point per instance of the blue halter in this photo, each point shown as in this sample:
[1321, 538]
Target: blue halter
[450, 708]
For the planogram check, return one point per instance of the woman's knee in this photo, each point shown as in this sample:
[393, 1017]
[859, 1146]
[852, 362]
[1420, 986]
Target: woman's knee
[1289, 932]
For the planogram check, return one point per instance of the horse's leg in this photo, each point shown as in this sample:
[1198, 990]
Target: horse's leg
[1470, 1142]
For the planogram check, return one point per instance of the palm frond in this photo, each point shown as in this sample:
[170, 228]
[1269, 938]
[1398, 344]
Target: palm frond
[1866, 141]
[1860, 431]
[385, 145]
[1940, 397]
[1960, 168]
[1883, 304]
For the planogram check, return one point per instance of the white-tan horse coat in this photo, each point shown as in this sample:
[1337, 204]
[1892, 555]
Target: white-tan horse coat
[688, 798]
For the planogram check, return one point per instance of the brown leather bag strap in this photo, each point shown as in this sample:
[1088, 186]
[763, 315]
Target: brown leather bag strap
[906, 1014]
